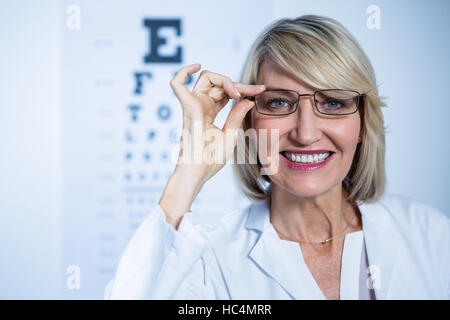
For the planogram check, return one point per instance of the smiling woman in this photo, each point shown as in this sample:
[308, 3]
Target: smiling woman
[320, 225]
[313, 52]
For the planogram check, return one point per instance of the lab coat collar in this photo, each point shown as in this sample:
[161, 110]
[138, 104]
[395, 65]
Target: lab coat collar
[270, 254]
[382, 242]
[258, 217]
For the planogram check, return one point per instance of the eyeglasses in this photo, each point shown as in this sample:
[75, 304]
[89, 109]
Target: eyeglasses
[334, 102]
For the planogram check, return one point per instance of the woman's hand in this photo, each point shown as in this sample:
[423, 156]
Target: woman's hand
[205, 148]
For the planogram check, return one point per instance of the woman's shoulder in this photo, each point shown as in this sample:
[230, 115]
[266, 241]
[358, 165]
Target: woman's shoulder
[235, 225]
[234, 220]
[414, 219]
[408, 209]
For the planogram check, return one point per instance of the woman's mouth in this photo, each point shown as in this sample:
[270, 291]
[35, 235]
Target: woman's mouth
[307, 162]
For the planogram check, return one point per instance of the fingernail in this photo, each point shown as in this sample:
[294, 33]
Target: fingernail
[237, 92]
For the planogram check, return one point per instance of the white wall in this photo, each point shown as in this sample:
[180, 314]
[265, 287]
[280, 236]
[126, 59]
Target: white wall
[30, 217]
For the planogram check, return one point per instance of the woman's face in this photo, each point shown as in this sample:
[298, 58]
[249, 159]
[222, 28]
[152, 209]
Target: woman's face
[306, 129]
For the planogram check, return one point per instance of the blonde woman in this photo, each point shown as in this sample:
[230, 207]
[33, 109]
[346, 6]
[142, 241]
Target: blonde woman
[320, 225]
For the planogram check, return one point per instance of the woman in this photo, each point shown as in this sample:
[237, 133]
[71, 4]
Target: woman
[320, 226]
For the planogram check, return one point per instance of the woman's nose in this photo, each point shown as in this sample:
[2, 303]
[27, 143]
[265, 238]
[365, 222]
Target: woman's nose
[306, 131]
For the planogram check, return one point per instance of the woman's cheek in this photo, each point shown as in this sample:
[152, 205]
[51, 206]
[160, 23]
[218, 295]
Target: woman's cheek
[268, 148]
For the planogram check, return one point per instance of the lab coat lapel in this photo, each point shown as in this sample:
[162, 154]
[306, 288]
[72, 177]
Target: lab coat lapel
[271, 256]
[280, 262]
[381, 244]
[380, 236]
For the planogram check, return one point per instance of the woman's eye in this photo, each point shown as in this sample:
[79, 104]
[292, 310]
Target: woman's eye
[279, 103]
[333, 104]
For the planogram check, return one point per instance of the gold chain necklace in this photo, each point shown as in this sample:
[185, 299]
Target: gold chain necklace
[313, 242]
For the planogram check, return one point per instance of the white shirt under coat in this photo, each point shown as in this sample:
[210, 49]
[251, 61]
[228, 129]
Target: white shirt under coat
[407, 245]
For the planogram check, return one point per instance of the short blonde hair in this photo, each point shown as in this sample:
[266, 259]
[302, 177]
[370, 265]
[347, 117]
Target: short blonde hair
[322, 53]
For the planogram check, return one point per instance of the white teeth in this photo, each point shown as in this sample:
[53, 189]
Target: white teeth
[307, 158]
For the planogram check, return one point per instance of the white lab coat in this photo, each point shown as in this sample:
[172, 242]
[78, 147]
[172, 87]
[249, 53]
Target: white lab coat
[242, 257]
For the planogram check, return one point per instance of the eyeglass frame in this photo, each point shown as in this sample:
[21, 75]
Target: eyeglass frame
[360, 96]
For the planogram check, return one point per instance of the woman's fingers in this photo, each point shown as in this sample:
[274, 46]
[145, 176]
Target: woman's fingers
[209, 79]
[249, 89]
[178, 81]
[218, 87]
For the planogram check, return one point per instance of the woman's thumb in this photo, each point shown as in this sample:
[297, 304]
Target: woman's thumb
[236, 116]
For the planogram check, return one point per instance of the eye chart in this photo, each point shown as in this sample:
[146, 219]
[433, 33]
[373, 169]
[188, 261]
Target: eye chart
[121, 120]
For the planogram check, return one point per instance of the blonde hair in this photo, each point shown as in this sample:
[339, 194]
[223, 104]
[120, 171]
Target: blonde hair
[322, 53]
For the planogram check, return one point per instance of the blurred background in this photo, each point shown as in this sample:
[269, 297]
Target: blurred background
[89, 124]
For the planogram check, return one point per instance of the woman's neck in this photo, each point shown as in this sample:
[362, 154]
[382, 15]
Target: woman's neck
[312, 219]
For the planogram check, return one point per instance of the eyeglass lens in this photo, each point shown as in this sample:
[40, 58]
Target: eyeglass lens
[333, 102]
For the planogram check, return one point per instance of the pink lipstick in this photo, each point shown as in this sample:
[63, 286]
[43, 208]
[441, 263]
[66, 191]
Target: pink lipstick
[307, 166]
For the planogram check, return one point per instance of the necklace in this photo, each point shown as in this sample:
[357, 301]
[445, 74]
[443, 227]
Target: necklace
[313, 242]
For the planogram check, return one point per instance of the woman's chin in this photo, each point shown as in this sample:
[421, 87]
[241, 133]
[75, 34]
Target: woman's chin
[308, 192]
[303, 189]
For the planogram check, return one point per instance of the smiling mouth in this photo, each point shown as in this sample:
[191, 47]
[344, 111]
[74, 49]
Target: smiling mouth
[306, 158]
